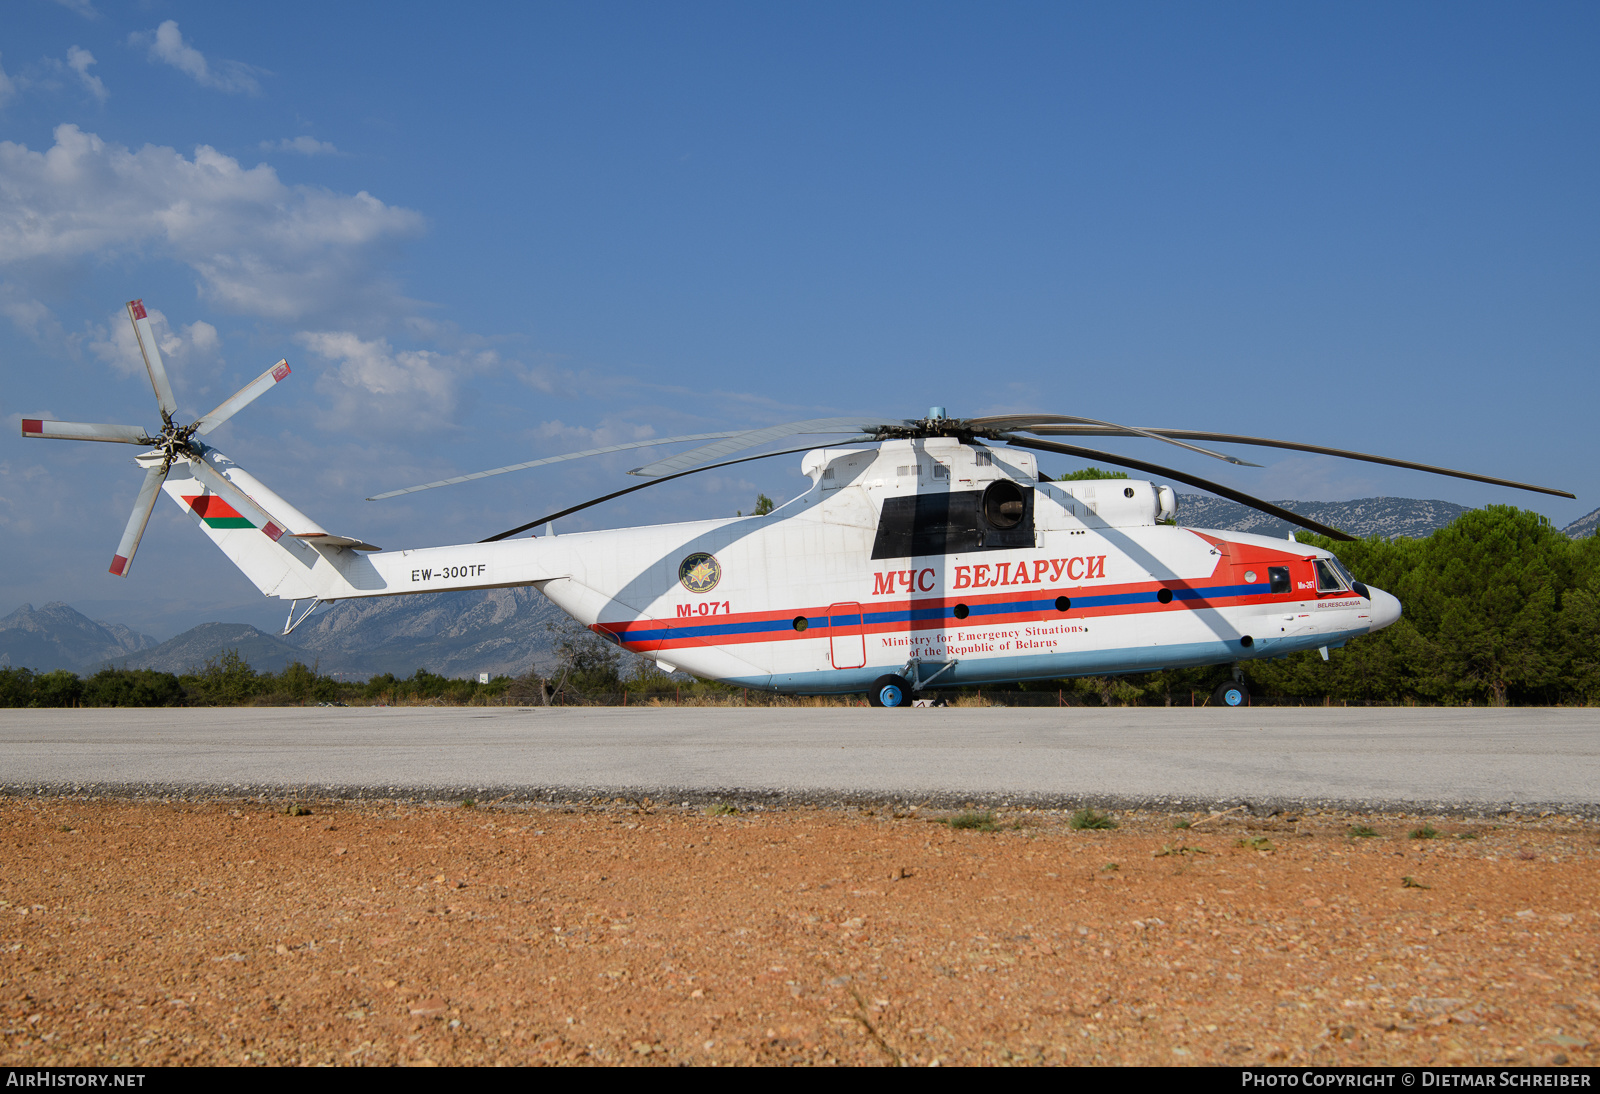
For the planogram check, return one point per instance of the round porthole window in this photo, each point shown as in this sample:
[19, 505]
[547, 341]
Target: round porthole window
[1249, 577]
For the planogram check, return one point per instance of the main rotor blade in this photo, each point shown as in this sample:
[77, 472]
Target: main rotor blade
[146, 503]
[555, 459]
[657, 482]
[152, 359]
[242, 398]
[85, 431]
[683, 461]
[1193, 480]
[1052, 423]
[1234, 438]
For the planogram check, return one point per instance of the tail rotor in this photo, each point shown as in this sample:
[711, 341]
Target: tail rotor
[169, 445]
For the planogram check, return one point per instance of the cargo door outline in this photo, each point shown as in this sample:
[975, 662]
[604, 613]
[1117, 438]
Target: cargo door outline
[847, 640]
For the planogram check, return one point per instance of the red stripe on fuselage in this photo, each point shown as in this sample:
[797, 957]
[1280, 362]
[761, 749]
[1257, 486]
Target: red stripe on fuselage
[728, 633]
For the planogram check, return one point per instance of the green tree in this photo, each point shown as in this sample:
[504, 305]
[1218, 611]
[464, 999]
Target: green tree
[112, 687]
[60, 688]
[16, 687]
[1090, 473]
[1578, 625]
[1487, 596]
[587, 666]
[226, 680]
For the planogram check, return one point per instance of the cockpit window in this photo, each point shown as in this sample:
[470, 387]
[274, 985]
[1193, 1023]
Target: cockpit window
[1328, 576]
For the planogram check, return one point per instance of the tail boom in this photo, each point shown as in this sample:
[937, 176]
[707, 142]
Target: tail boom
[287, 555]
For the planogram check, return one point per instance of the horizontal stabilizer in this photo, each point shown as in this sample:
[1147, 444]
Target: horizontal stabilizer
[323, 539]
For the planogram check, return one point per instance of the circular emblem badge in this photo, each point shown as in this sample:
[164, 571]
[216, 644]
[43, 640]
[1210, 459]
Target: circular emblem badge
[700, 572]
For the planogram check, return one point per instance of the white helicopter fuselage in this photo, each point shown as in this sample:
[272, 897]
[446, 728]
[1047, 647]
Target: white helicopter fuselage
[947, 563]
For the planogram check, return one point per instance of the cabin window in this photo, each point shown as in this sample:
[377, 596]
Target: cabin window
[941, 472]
[1279, 576]
[957, 521]
[983, 457]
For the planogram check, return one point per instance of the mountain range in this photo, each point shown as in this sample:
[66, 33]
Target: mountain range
[512, 630]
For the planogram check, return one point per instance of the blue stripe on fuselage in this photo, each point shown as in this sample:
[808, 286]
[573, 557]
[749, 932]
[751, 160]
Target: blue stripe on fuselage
[636, 633]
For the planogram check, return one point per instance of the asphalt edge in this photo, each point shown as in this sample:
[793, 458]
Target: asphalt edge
[750, 799]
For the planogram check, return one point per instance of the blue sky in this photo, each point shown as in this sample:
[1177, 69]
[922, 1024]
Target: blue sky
[489, 233]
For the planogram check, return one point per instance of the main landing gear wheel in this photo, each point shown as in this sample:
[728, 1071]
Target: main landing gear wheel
[890, 691]
[1231, 695]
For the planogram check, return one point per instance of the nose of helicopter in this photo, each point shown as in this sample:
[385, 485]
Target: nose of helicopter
[1385, 608]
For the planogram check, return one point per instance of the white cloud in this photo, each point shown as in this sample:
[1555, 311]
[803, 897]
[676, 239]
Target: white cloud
[203, 337]
[182, 350]
[306, 146]
[79, 61]
[7, 88]
[168, 47]
[82, 7]
[260, 246]
[375, 386]
[32, 318]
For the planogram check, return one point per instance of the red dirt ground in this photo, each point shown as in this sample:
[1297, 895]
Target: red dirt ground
[228, 932]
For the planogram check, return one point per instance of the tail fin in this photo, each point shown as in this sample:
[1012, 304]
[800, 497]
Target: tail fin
[261, 533]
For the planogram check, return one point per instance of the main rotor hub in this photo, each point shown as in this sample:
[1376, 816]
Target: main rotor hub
[935, 425]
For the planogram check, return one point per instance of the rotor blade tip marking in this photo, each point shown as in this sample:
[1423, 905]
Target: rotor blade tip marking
[136, 309]
[118, 565]
[280, 371]
[32, 425]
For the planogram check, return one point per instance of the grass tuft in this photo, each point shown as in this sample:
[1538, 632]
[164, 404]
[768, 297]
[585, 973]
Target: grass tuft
[1466, 835]
[1089, 819]
[1362, 831]
[722, 809]
[469, 803]
[1409, 882]
[1181, 823]
[1257, 843]
[977, 822]
[295, 809]
[1427, 831]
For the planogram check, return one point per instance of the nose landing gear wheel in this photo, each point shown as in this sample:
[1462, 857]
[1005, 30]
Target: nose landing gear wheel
[1231, 695]
[890, 691]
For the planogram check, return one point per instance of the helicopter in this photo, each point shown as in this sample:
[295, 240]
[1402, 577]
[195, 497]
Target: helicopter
[925, 554]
